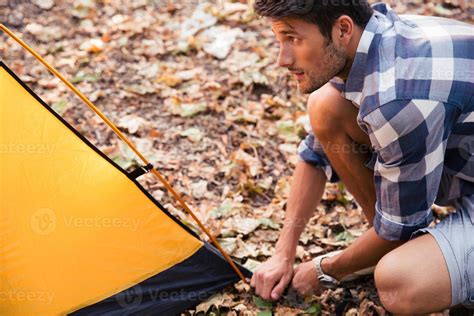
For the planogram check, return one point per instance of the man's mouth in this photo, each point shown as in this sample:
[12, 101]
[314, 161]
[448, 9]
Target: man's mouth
[298, 74]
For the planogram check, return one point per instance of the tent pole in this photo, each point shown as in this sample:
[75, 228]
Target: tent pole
[129, 143]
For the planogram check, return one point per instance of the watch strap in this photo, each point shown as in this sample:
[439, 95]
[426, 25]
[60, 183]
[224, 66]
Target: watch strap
[324, 279]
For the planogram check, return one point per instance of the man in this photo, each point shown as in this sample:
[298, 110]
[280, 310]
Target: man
[402, 86]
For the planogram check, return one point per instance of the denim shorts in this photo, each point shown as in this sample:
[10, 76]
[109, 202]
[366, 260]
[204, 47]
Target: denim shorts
[455, 237]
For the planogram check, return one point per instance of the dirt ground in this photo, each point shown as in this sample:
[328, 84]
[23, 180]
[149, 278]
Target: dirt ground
[194, 84]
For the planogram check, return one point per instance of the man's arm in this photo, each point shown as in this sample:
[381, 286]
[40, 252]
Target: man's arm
[407, 175]
[307, 188]
[305, 195]
[364, 252]
[409, 138]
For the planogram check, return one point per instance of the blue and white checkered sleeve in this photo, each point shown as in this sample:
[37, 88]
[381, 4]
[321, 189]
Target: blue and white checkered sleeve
[409, 139]
[311, 151]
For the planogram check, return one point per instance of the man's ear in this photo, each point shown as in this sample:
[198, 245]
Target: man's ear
[343, 30]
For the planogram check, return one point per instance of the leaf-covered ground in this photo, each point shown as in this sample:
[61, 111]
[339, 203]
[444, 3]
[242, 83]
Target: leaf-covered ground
[194, 84]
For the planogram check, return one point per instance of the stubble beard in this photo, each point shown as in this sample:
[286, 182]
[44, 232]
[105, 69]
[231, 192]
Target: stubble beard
[333, 63]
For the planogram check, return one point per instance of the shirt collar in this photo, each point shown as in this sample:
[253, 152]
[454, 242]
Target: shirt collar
[352, 88]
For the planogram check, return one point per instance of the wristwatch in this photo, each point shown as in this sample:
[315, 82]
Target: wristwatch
[325, 280]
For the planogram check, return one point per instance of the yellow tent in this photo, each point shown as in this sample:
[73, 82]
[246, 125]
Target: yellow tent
[78, 233]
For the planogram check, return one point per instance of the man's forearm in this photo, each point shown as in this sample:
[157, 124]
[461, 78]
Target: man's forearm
[365, 252]
[305, 194]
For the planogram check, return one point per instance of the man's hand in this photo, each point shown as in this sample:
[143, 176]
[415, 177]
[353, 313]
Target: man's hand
[272, 277]
[305, 280]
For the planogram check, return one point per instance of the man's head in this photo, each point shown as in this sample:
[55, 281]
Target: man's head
[315, 36]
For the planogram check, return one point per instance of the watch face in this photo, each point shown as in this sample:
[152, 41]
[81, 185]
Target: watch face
[327, 283]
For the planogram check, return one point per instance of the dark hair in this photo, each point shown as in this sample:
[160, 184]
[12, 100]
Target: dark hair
[323, 13]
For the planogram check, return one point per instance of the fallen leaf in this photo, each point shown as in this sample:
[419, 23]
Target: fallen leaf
[218, 40]
[185, 109]
[223, 210]
[198, 21]
[252, 163]
[193, 134]
[199, 189]
[44, 33]
[344, 236]
[94, 45]
[287, 131]
[83, 76]
[269, 223]
[245, 250]
[60, 106]
[132, 123]
[171, 80]
[251, 264]
[261, 303]
[315, 309]
[228, 244]
[440, 10]
[217, 300]
[125, 157]
[83, 8]
[245, 225]
[44, 4]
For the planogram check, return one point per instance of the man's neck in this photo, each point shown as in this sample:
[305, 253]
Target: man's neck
[351, 52]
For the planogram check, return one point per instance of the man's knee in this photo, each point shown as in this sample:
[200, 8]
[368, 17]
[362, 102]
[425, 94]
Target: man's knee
[395, 285]
[328, 111]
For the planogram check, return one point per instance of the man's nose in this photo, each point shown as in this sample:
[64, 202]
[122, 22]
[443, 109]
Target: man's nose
[285, 58]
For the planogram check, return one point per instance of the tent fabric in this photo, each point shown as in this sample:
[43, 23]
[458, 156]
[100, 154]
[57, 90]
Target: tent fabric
[78, 233]
[178, 288]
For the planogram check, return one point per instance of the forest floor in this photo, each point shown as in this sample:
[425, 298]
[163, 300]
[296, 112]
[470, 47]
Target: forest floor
[195, 85]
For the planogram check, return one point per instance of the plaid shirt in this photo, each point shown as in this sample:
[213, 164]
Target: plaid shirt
[413, 80]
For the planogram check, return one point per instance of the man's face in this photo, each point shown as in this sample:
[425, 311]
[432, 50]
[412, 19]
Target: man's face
[307, 54]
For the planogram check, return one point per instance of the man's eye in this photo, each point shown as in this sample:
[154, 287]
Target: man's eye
[292, 39]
